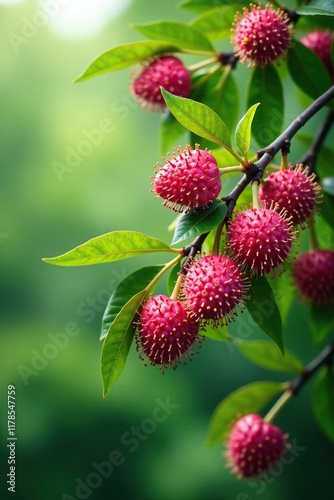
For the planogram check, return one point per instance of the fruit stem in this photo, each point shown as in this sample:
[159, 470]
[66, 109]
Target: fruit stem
[216, 243]
[166, 268]
[278, 405]
[236, 168]
[255, 194]
[314, 245]
[285, 152]
[177, 287]
[203, 64]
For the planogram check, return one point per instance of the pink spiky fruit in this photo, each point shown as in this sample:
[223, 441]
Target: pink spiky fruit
[320, 42]
[313, 274]
[168, 72]
[254, 446]
[260, 35]
[292, 190]
[214, 288]
[166, 332]
[189, 180]
[261, 239]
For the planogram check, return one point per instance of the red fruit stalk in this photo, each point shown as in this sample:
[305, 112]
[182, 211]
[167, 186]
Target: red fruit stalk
[260, 35]
[167, 72]
[166, 332]
[261, 239]
[292, 190]
[189, 180]
[214, 287]
[313, 274]
[254, 446]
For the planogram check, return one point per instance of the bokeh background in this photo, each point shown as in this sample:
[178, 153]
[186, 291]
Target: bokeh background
[57, 193]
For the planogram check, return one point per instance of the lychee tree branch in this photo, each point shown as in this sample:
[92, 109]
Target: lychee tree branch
[265, 155]
[324, 358]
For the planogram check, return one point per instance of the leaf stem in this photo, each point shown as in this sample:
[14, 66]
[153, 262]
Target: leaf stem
[203, 64]
[226, 170]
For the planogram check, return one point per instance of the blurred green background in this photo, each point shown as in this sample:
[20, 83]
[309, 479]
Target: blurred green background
[153, 427]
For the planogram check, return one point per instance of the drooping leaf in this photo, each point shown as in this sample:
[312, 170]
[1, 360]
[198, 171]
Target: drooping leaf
[216, 23]
[219, 92]
[125, 55]
[110, 247]
[130, 286]
[243, 131]
[264, 311]
[321, 321]
[198, 118]
[323, 401]
[284, 293]
[317, 7]
[118, 341]
[170, 131]
[327, 185]
[250, 398]
[267, 355]
[220, 333]
[176, 33]
[307, 70]
[265, 87]
[199, 221]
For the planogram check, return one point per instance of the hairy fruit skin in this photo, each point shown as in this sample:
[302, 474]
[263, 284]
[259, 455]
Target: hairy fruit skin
[291, 190]
[260, 35]
[320, 42]
[166, 331]
[165, 71]
[261, 239]
[313, 274]
[213, 288]
[254, 446]
[188, 180]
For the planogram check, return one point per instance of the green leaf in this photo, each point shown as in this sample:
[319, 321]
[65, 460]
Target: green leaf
[307, 70]
[199, 221]
[243, 131]
[176, 33]
[317, 7]
[321, 321]
[327, 185]
[266, 87]
[267, 355]
[219, 92]
[125, 55]
[198, 118]
[323, 401]
[220, 333]
[327, 209]
[109, 248]
[264, 311]
[118, 341]
[216, 23]
[202, 5]
[284, 293]
[130, 286]
[170, 131]
[250, 398]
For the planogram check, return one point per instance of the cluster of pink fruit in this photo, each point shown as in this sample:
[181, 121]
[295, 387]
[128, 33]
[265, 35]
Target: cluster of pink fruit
[212, 289]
